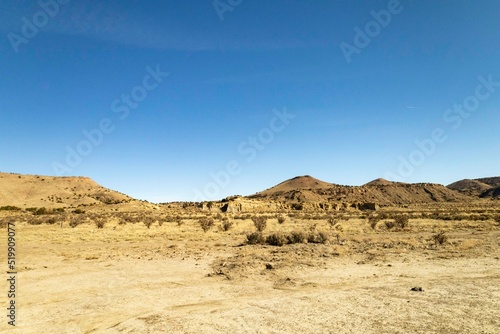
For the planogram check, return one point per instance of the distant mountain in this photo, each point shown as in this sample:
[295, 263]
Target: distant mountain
[488, 187]
[378, 182]
[305, 182]
[306, 189]
[51, 192]
[470, 187]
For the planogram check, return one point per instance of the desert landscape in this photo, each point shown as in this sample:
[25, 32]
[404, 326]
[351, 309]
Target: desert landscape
[304, 256]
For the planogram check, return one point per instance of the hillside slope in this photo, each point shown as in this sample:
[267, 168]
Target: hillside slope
[487, 187]
[48, 191]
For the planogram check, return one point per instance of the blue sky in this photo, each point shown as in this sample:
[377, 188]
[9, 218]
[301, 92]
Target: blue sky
[210, 128]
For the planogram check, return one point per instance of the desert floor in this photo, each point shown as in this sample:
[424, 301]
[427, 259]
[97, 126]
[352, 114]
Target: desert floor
[178, 279]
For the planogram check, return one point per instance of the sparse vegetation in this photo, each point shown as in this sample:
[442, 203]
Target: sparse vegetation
[373, 221]
[281, 219]
[317, 238]
[255, 238]
[276, 239]
[439, 238]
[401, 221]
[206, 223]
[389, 224]
[296, 237]
[148, 221]
[260, 223]
[100, 222]
[9, 208]
[227, 224]
[332, 221]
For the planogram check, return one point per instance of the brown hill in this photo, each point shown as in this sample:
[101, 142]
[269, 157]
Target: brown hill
[378, 182]
[492, 181]
[469, 187]
[305, 182]
[491, 193]
[306, 189]
[488, 187]
[51, 192]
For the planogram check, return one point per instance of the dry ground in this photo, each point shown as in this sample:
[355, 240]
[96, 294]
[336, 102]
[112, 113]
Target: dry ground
[177, 279]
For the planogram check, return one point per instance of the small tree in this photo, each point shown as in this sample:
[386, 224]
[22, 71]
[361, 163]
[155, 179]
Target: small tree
[281, 219]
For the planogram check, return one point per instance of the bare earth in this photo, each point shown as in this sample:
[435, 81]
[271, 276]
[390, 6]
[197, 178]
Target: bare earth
[177, 279]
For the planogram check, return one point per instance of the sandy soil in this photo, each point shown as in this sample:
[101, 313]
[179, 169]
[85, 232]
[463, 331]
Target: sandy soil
[129, 279]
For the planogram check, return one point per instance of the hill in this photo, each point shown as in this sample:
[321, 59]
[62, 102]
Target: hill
[312, 192]
[488, 187]
[469, 187]
[51, 192]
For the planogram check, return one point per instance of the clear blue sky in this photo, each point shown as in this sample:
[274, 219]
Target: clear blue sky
[354, 117]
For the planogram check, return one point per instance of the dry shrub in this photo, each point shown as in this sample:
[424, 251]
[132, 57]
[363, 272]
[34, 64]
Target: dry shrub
[206, 223]
[148, 221]
[255, 238]
[276, 239]
[281, 219]
[75, 221]
[332, 221]
[439, 238]
[296, 237]
[389, 224]
[100, 222]
[497, 219]
[260, 223]
[373, 220]
[317, 238]
[226, 224]
[401, 221]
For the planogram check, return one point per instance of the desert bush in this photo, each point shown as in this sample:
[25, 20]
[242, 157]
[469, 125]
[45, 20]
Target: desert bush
[79, 211]
[296, 237]
[281, 219]
[35, 221]
[332, 221]
[51, 221]
[276, 239]
[317, 238]
[9, 208]
[75, 221]
[40, 211]
[389, 224]
[373, 220]
[401, 221]
[255, 238]
[226, 224]
[206, 223]
[497, 219]
[439, 238]
[260, 223]
[148, 221]
[100, 222]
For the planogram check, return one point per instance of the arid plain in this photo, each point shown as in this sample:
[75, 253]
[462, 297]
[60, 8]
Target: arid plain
[305, 256]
